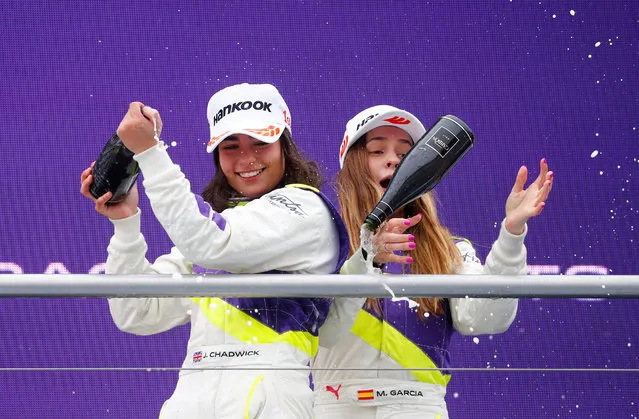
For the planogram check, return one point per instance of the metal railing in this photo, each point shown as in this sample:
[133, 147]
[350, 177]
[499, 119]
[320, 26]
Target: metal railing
[298, 285]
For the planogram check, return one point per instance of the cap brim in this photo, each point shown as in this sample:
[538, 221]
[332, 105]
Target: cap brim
[391, 118]
[268, 134]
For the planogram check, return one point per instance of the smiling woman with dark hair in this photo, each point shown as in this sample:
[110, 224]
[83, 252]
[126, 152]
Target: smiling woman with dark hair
[297, 170]
[261, 213]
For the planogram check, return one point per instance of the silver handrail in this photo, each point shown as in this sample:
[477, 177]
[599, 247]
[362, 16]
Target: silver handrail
[300, 285]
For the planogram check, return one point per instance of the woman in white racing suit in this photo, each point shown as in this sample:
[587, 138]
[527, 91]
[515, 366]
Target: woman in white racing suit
[261, 213]
[380, 340]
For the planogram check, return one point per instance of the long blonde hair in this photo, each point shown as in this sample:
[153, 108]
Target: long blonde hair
[358, 193]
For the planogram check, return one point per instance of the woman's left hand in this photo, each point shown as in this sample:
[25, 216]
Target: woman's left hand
[523, 204]
[392, 237]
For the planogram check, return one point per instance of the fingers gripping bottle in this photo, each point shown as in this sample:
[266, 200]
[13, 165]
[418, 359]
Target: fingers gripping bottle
[115, 171]
[424, 166]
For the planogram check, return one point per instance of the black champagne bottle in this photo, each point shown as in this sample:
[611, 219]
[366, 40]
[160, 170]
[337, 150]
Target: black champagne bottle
[423, 166]
[115, 171]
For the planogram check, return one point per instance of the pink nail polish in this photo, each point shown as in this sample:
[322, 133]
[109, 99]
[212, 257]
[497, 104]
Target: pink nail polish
[411, 238]
[543, 160]
[412, 245]
[409, 260]
[407, 222]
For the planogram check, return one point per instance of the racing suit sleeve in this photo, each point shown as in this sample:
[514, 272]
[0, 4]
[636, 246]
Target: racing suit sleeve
[343, 310]
[126, 255]
[288, 229]
[476, 316]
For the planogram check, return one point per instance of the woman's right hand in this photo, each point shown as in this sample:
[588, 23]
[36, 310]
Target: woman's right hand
[391, 237]
[123, 209]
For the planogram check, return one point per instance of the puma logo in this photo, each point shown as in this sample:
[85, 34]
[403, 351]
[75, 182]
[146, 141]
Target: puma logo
[334, 391]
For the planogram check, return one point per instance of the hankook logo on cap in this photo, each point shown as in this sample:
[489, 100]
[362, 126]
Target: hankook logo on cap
[365, 121]
[257, 105]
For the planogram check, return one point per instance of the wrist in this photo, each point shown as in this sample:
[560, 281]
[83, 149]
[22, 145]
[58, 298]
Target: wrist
[514, 227]
[121, 215]
[128, 226]
[376, 263]
[141, 148]
[136, 140]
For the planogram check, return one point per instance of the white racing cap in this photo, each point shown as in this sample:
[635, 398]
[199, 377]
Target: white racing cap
[257, 110]
[379, 116]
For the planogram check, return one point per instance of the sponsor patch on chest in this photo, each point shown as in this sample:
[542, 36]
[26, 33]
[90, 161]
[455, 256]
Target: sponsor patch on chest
[284, 201]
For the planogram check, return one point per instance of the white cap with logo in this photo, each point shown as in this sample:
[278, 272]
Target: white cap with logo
[379, 116]
[256, 110]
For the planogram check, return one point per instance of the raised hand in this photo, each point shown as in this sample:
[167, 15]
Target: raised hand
[392, 237]
[136, 128]
[523, 204]
[123, 209]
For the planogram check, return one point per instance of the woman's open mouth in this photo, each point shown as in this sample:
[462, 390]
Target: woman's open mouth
[251, 174]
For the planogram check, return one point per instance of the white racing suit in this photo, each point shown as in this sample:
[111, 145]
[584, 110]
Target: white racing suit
[289, 230]
[384, 346]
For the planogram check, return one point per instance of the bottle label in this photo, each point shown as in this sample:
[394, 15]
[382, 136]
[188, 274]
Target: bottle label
[442, 141]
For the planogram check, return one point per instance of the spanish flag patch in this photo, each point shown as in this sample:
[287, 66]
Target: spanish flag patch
[365, 395]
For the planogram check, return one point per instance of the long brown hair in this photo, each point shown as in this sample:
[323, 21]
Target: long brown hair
[358, 193]
[297, 169]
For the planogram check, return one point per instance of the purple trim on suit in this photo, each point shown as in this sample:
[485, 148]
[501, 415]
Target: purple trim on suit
[284, 314]
[431, 334]
[207, 211]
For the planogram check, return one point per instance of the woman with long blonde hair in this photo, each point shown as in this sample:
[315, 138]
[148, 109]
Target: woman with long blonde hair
[374, 352]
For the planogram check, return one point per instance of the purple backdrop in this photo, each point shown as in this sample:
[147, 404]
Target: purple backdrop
[531, 78]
